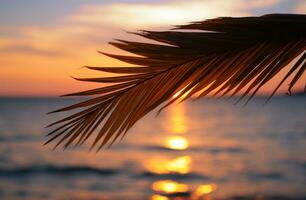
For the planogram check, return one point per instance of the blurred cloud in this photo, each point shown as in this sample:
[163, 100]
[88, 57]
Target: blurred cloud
[95, 24]
[261, 3]
[29, 50]
[300, 7]
[72, 41]
[143, 15]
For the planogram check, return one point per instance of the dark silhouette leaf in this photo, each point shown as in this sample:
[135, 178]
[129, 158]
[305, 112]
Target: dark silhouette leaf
[223, 56]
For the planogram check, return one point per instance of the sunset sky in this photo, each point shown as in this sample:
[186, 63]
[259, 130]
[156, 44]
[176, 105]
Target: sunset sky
[45, 42]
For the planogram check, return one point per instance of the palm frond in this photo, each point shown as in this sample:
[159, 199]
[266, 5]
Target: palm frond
[223, 56]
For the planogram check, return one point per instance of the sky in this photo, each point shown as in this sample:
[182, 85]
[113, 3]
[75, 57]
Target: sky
[45, 42]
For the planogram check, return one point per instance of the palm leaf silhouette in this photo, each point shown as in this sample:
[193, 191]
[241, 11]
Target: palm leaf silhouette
[223, 56]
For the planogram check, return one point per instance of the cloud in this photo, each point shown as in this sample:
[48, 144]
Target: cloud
[89, 28]
[73, 41]
[23, 49]
[300, 7]
[144, 15]
[260, 3]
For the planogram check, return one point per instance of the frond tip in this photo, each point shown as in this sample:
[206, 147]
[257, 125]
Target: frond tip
[223, 57]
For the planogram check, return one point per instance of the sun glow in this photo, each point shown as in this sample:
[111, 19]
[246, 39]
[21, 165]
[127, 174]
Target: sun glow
[180, 165]
[177, 143]
[142, 14]
[169, 186]
[179, 93]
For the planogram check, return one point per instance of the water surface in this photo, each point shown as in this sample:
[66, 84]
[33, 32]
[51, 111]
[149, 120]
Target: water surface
[205, 149]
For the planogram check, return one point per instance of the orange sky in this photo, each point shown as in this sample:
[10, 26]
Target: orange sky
[38, 58]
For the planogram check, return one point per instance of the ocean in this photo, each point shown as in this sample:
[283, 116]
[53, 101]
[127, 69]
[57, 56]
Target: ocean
[205, 149]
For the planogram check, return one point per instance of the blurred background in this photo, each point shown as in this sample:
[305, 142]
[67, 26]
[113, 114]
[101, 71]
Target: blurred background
[206, 149]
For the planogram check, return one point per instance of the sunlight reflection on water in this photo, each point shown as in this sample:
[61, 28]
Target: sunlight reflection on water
[176, 143]
[182, 165]
[175, 121]
[161, 165]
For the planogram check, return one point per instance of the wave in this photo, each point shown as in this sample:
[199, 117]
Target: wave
[58, 170]
[212, 150]
[256, 176]
[178, 176]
